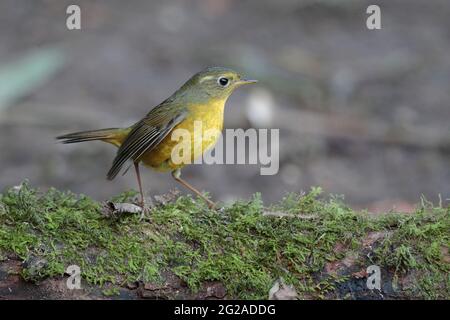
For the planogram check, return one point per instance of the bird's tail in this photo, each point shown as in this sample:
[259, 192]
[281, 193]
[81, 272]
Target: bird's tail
[112, 135]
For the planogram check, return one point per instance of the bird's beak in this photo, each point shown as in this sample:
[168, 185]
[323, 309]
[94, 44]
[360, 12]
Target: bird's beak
[245, 81]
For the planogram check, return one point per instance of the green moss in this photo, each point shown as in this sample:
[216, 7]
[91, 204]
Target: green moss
[111, 292]
[241, 245]
[418, 242]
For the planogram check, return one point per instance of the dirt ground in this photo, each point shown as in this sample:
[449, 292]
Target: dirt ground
[361, 113]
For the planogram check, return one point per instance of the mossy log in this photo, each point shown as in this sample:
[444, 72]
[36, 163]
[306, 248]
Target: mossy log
[305, 247]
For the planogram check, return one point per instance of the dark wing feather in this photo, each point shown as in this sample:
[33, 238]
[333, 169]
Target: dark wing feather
[147, 134]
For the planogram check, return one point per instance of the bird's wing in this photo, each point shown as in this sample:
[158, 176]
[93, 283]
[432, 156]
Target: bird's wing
[147, 134]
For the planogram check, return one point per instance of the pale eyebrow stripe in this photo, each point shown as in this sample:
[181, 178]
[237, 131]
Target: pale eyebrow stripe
[205, 78]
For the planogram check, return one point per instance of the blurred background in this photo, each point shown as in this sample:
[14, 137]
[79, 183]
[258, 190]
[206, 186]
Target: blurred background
[361, 113]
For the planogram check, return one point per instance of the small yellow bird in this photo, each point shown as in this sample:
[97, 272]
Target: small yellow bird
[202, 98]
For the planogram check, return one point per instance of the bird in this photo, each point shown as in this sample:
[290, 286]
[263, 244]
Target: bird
[148, 142]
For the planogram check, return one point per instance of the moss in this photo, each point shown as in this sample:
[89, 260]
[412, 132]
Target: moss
[109, 292]
[241, 245]
[418, 244]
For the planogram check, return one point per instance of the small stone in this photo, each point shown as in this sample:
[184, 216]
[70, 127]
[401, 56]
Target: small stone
[282, 291]
[216, 290]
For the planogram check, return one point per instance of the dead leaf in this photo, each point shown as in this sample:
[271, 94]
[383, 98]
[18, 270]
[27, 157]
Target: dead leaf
[114, 209]
[360, 274]
[215, 290]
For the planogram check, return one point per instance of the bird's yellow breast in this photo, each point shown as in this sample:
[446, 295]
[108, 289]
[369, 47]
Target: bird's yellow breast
[201, 121]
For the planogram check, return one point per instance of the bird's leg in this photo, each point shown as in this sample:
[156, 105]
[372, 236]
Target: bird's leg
[138, 176]
[176, 175]
[142, 202]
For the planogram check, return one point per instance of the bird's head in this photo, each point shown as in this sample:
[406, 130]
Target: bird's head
[215, 83]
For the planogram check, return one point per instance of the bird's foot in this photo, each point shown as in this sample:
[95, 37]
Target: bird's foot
[145, 209]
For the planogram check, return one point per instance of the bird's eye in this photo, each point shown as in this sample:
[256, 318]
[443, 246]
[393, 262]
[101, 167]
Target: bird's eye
[223, 81]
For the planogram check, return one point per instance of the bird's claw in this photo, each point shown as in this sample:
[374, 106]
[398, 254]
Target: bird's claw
[144, 210]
